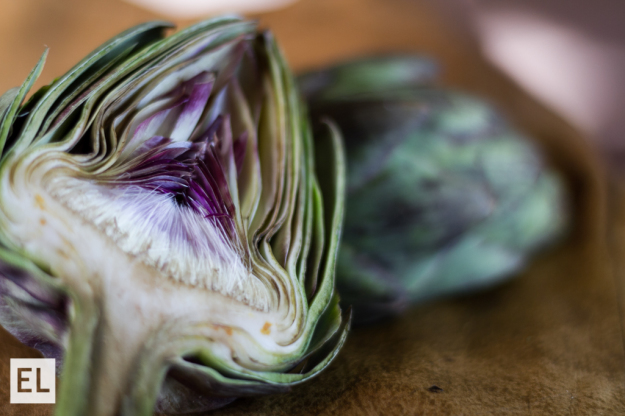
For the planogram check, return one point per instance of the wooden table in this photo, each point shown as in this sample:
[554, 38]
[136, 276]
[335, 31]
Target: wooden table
[547, 343]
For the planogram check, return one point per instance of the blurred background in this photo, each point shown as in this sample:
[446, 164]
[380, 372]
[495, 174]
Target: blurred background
[568, 53]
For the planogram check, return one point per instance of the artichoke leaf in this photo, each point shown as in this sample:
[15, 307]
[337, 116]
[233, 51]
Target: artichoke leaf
[8, 116]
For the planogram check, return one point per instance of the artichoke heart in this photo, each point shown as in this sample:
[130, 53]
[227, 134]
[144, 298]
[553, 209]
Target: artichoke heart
[164, 234]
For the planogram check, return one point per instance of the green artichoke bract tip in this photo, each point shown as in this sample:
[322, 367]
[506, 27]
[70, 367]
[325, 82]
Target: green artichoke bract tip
[443, 196]
[163, 231]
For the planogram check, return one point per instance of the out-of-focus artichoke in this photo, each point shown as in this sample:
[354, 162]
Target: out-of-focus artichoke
[162, 228]
[442, 195]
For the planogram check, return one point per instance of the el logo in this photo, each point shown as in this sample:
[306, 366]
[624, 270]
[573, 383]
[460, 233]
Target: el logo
[32, 380]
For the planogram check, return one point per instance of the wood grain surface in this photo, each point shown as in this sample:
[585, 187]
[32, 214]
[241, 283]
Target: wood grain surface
[548, 343]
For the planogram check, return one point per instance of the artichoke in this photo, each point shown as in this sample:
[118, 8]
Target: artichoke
[163, 232]
[443, 196]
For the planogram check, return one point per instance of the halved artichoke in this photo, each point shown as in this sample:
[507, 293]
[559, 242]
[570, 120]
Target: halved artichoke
[162, 228]
[443, 195]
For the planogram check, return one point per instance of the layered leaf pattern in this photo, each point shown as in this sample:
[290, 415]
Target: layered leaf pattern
[166, 228]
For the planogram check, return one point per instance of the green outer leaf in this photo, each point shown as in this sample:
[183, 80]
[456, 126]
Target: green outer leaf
[332, 178]
[6, 101]
[11, 111]
[308, 211]
[100, 57]
[73, 100]
[317, 244]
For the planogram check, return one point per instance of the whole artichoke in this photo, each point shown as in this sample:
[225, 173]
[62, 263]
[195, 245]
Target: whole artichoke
[162, 228]
[443, 196]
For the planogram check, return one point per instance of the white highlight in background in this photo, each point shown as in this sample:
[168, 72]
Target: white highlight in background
[191, 9]
[568, 71]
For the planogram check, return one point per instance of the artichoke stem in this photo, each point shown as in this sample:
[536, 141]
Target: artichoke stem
[73, 394]
[100, 379]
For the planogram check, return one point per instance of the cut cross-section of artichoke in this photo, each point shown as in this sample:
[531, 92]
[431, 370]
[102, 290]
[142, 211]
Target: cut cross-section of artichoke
[163, 228]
